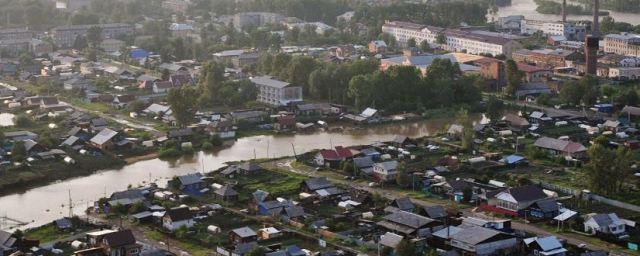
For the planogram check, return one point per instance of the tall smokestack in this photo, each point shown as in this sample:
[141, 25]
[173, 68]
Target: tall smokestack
[596, 18]
[564, 11]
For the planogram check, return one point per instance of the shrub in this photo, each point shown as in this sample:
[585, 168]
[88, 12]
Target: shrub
[207, 146]
[169, 152]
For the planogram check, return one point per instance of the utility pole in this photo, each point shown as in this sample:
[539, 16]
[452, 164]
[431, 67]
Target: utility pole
[70, 205]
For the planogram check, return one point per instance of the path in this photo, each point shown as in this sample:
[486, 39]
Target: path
[118, 119]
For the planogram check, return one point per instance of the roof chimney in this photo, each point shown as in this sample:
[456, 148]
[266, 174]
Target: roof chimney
[596, 18]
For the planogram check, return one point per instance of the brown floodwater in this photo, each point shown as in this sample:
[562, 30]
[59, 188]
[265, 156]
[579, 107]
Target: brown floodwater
[528, 9]
[44, 204]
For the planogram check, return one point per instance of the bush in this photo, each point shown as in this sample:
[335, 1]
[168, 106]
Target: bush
[207, 146]
[22, 121]
[169, 152]
[216, 141]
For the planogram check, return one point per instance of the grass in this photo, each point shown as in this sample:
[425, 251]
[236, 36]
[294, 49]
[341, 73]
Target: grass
[46, 233]
[191, 248]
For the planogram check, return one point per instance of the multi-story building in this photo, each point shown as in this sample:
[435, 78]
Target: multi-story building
[547, 58]
[181, 30]
[510, 23]
[178, 6]
[623, 44]
[15, 34]
[65, 36]
[573, 31]
[469, 41]
[257, 19]
[275, 92]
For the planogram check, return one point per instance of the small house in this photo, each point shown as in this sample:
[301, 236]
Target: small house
[436, 212]
[514, 201]
[104, 140]
[604, 223]
[475, 240]
[176, 218]
[364, 164]
[268, 233]
[332, 158]
[404, 204]
[408, 224]
[545, 209]
[390, 240]
[561, 147]
[545, 246]
[242, 236]
[385, 171]
[285, 123]
[191, 183]
[226, 193]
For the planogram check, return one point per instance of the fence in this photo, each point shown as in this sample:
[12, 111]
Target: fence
[589, 196]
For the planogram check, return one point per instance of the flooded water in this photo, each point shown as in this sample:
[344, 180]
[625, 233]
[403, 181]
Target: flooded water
[44, 204]
[6, 119]
[528, 9]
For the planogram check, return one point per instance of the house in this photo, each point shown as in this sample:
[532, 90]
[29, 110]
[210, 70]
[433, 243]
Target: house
[8, 243]
[436, 212]
[180, 134]
[312, 185]
[364, 164]
[76, 84]
[180, 80]
[475, 240]
[545, 246]
[534, 73]
[315, 109]
[178, 217]
[162, 86]
[409, 224]
[275, 92]
[285, 123]
[332, 158]
[537, 117]
[242, 236]
[247, 116]
[544, 209]
[97, 124]
[385, 171]
[516, 122]
[191, 183]
[292, 213]
[268, 233]
[249, 167]
[20, 136]
[611, 125]
[377, 46]
[514, 201]
[390, 240]
[604, 223]
[404, 204]
[127, 197]
[157, 110]
[270, 208]
[369, 115]
[223, 128]
[401, 141]
[455, 130]
[121, 243]
[226, 193]
[503, 225]
[121, 101]
[371, 152]
[104, 140]
[561, 147]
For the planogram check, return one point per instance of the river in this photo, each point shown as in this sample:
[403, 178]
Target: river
[44, 204]
[528, 9]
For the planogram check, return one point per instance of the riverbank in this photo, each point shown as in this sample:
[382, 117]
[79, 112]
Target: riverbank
[18, 179]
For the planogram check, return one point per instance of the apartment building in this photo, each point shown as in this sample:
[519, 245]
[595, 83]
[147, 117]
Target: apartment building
[468, 41]
[257, 19]
[572, 31]
[548, 58]
[178, 6]
[623, 44]
[65, 36]
[275, 92]
[15, 34]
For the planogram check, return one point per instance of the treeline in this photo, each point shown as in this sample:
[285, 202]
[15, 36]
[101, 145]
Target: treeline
[632, 6]
[608, 25]
[309, 10]
[35, 14]
[552, 7]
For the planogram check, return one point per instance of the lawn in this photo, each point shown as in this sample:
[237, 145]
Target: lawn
[46, 233]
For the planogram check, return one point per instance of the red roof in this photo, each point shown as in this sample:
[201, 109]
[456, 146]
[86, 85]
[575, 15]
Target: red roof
[343, 152]
[524, 67]
[329, 154]
[338, 154]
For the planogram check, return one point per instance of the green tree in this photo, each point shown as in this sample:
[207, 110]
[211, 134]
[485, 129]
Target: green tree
[513, 77]
[588, 84]
[441, 39]
[571, 93]
[357, 90]
[411, 43]
[468, 134]
[402, 175]
[406, 248]
[18, 151]
[257, 251]
[623, 166]
[22, 121]
[424, 46]
[299, 70]
[600, 168]
[94, 36]
[183, 105]
[495, 108]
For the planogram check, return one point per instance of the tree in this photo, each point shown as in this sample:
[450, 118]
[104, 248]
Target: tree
[623, 166]
[299, 70]
[257, 251]
[467, 194]
[495, 107]
[18, 151]
[22, 121]
[424, 46]
[441, 39]
[402, 177]
[411, 43]
[571, 94]
[357, 90]
[183, 105]
[94, 36]
[80, 43]
[600, 167]
[588, 84]
[467, 130]
[513, 77]
[405, 248]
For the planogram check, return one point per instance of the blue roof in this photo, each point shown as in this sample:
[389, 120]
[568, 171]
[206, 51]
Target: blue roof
[512, 159]
[138, 54]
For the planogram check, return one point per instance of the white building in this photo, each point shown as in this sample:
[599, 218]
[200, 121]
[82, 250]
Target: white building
[176, 218]
[473, 42]
[571, 31]
[276, 92]
[623, 44]
[624, 73]
[604, 223]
